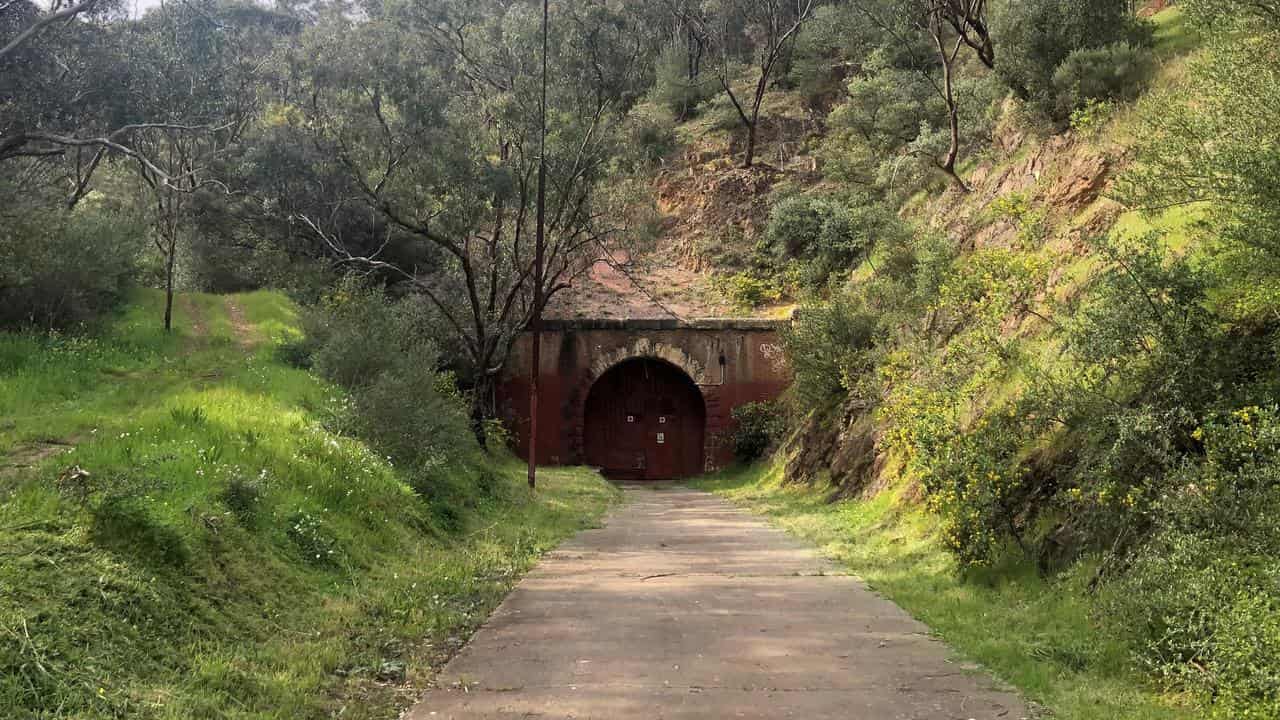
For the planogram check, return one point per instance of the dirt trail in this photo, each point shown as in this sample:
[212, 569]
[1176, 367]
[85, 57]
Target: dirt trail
[245, 335]
[191, 313]
[685, 607]
[31, 454]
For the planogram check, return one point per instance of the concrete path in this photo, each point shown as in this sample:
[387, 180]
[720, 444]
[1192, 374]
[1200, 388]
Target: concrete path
[685, 607]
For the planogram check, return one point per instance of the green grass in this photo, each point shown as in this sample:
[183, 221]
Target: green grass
[1174, 36]
[1178, 225]
[1034, 633]
[228, 556]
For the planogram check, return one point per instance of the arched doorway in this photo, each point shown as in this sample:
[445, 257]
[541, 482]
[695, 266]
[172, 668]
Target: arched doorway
[644, 419]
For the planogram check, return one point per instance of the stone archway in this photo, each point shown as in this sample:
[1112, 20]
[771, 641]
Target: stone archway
[644, 418]
[644, 347]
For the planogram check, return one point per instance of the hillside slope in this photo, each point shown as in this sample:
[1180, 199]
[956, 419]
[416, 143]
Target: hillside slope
[184, 532]
[1020, 255]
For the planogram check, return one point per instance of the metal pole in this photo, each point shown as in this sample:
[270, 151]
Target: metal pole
[538, 248]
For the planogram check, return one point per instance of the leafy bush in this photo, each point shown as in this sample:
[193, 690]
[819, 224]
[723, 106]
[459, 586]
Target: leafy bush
[298, 353]
[757, 425]
[968, 453]
[58, 269]
[1090, 116]
[976, 479]
[828, 236]
[653, 137]
[748, 290]
[406, 417]
[358, 334]
[796, 223]
[1200, 599]
[1035, 37]
[829, 346]
[401, 401]
[1210, 143]
[1112, 72]
[835, 40]
[1148, 361]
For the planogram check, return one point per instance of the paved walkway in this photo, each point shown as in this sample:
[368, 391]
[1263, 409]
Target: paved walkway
[684, 607]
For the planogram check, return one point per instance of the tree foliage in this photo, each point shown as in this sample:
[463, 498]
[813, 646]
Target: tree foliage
[1037, 36]
[431, 119]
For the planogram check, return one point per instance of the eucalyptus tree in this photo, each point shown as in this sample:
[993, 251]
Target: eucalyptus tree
[947, 27]
[62, 100]
[758, 34]
[199, 70]
[67, 100]
[431, 110]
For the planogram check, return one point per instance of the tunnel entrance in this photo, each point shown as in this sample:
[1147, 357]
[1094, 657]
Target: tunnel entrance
[645, 420]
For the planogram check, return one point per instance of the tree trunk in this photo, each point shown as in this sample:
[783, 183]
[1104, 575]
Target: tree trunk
[750, 156]
[948, 164]
[480, 394]
[168, 288]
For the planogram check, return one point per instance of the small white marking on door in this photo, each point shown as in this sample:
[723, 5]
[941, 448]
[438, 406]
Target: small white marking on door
[662, 419]
[662, 438]
[631, 418]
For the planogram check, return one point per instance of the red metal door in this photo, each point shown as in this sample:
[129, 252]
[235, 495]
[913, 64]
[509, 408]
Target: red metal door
[644, 419]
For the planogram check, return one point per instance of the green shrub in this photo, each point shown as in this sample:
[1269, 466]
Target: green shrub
[748, 290]
[795, 225]
[829, 346]
[1148, 361]
[976, 479]
[1199, 601]
[1090, 116]
[653, 137]
[58, 269]
[298, 353]
[826, 235]
[757, 426]
[358, 335]
[836, 39]
[404, 416]
[400, 400]
[498, 435]
[1035, 37]
[1113, 72]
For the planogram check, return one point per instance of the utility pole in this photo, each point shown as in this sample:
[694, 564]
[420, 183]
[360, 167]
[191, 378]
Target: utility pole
[539, 246]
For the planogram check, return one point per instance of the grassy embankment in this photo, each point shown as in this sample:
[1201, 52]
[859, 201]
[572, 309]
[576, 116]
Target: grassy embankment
[227, 555]
[1035, 633]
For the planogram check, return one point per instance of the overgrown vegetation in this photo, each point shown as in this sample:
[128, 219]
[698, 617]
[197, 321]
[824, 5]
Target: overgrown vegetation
[1101, 413]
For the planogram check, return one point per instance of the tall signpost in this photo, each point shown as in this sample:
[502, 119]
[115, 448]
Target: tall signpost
[538, 248]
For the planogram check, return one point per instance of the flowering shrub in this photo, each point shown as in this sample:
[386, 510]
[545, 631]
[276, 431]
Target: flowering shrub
[1201, 599]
